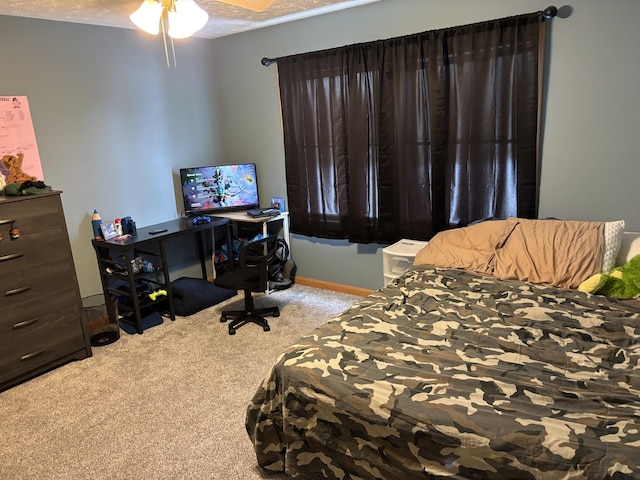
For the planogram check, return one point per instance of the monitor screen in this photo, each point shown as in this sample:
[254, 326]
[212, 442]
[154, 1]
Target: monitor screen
[219, 188]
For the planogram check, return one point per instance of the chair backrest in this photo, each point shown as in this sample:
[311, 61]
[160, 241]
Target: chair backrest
[258, 254]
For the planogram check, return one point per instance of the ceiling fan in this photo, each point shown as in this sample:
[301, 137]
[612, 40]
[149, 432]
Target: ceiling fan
[184, 17]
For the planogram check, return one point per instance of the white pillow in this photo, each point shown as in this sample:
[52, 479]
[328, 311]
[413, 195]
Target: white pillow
[612, 237]
[629, 247]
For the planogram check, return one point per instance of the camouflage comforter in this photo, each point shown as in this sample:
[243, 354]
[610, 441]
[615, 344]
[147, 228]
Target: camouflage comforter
[447, 374]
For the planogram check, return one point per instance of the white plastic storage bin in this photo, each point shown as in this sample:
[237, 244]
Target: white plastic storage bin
[398, 258]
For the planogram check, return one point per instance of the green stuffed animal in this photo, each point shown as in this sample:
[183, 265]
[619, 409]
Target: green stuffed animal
[621, 282]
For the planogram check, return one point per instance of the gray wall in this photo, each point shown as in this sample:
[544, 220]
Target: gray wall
[114, 124]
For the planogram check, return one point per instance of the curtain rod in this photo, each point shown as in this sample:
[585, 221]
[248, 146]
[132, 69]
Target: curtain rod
[548, 12]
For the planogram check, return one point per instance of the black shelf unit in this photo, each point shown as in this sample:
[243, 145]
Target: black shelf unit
[120, 283]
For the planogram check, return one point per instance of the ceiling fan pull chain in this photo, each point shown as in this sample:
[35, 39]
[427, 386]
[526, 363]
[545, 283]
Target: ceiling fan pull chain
[173, 50]
[164, 39]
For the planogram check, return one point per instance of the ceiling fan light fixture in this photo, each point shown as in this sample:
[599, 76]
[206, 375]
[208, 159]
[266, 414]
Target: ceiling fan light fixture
[185, 18]
[147, 16]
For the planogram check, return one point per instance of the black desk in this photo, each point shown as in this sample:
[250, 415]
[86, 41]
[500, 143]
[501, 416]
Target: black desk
[152, 245]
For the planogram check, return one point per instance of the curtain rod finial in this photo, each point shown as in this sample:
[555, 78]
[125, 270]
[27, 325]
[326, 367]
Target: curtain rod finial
[550, 12]
[267, 61]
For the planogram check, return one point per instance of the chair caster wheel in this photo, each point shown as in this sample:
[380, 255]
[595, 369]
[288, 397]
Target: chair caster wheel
[276, 314]
[232, 331]
[266, 328]
[223, 319]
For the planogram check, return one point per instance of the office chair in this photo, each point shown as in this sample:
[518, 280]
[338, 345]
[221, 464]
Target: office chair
[250, 276]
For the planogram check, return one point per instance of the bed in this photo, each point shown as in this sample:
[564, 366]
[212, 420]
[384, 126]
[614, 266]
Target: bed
[466, 370]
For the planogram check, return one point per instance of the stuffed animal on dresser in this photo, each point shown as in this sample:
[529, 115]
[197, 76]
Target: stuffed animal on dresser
[13, 164]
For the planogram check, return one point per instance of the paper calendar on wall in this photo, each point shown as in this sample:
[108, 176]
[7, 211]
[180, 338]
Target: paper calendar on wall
[18, 136]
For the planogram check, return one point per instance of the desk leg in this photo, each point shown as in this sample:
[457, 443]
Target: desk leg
[167, 282]
[203, 263]
[285, 230]
[229, 236]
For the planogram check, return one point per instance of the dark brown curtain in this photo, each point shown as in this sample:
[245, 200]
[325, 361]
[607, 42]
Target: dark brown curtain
[406, 137]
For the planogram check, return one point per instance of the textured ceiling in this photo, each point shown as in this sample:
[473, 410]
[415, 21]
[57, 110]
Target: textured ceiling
[224, 19]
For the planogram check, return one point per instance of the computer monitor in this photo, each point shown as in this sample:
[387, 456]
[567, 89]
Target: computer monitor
[211, 189]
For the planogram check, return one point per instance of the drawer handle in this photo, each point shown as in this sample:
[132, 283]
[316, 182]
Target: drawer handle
[26, 323]
[6, 221]
[29, 356]
[16, 291]
[13, 256]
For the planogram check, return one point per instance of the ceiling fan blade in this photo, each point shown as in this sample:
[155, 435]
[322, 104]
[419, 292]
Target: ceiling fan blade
[255, 5]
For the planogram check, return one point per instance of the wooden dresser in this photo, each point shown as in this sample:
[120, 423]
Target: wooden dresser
[41, 324]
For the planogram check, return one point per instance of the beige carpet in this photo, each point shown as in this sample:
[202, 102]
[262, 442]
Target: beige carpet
[167, 404]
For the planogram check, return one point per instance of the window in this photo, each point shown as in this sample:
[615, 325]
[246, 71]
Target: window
[406, 137]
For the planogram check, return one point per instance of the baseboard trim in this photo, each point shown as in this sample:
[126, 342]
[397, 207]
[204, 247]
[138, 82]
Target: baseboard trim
[334, 287]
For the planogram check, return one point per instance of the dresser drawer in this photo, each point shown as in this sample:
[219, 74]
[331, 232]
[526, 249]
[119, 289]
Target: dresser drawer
[32, 250]
[32, 285]
[31, 215]
[58, 335]
[24, 319]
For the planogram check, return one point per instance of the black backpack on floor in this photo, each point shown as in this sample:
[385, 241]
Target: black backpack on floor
[282, 270]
